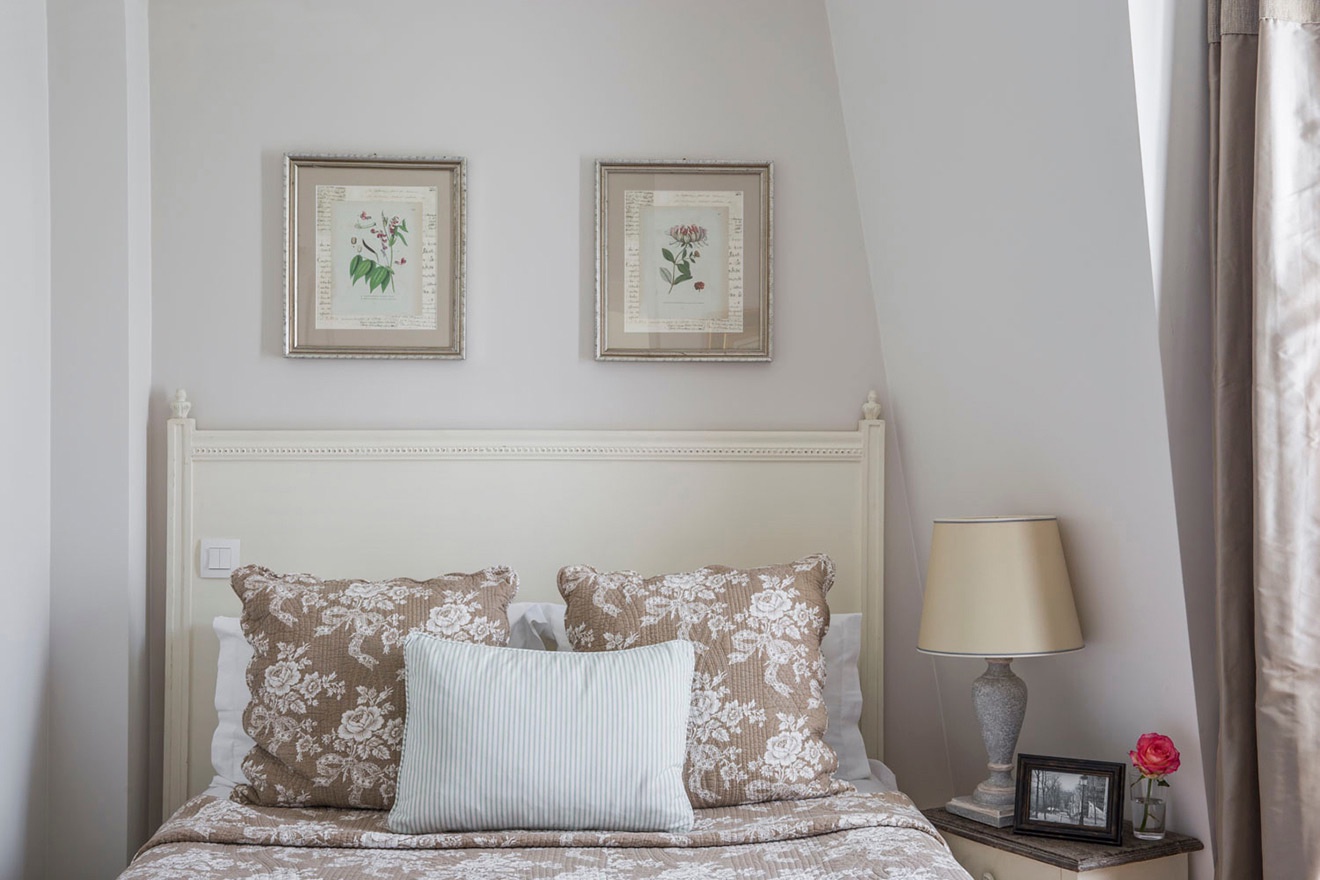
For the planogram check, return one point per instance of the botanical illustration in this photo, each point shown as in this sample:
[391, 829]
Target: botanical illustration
[373, 260]
[684, 241]
[372, 255]
[683, 262]
[380, 261]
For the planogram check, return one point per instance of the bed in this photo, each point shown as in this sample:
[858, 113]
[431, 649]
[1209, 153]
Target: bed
[377, 503]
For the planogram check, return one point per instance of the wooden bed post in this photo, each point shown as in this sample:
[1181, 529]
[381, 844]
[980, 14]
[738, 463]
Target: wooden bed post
[178, 613]
[872, 429]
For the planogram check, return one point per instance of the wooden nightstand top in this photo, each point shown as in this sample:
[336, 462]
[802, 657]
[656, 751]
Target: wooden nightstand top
[1071, 855]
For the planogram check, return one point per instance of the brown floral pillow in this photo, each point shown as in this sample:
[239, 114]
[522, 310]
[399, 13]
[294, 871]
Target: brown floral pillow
[757, 723]
[326, 676]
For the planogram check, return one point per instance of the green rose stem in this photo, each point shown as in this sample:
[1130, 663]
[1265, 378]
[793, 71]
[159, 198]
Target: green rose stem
[1145, 804]
[1151, 782]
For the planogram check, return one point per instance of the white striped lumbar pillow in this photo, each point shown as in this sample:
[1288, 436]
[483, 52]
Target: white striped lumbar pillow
[499, 738]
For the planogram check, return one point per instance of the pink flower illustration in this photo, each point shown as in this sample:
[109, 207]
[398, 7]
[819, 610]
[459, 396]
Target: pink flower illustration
[684, 239]
[689, 234]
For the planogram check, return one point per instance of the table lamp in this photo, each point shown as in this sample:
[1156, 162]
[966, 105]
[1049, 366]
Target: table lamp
[997, 587]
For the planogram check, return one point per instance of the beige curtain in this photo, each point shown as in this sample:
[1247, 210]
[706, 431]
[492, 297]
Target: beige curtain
[1265, 217]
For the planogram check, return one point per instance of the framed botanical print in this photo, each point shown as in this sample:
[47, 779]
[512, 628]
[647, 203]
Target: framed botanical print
[683, 261]
[374, 256]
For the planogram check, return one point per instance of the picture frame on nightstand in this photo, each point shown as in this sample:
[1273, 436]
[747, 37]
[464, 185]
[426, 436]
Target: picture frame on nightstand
[1069, 798]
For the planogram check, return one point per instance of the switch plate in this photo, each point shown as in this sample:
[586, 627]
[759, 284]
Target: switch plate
[219, 557]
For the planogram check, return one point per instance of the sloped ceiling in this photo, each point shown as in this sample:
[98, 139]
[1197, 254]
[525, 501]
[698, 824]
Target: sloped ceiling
[996, 153]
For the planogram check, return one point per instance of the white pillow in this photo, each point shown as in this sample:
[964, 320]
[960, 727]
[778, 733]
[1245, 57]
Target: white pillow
[842, 647]
[230, 744]
[537, 626]
[499, 738]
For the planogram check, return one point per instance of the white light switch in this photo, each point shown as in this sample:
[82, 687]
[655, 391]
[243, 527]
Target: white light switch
[219, 557]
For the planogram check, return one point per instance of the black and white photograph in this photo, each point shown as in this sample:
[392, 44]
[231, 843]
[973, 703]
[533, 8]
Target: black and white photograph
[1069, 798]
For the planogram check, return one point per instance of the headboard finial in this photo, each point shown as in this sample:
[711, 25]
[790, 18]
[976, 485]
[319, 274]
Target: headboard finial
[871, 409]
[180, 405]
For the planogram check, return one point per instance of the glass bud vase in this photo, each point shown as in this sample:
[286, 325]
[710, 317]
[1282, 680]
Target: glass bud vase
[1150, 808]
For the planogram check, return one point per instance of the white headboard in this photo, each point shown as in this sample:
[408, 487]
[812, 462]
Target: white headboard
[420, 503]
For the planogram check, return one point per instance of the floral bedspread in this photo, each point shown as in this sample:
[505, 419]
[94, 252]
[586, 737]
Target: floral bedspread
[845, 836]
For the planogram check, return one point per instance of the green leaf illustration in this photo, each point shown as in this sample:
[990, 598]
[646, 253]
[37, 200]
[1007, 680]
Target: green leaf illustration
[665, 274]
[360, 267]
[403, 224]
[379, 277]
[668, 254]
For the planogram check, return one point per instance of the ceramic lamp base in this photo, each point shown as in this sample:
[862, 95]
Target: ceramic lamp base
[1001, 703]
[986, 814]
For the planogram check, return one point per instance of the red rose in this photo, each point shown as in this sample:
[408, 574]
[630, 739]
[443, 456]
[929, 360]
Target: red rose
[1155, 755]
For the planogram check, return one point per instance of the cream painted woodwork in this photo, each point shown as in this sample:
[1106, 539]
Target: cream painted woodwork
[419, 503]
[985, 862]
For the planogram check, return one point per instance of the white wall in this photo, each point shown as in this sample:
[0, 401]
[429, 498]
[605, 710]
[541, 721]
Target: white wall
[99, 391]
[531, 93]
[997, 160]
[1000, 189]
[1169, 59]
[25, 438]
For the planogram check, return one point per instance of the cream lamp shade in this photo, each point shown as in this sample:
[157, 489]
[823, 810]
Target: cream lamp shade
[998, 587]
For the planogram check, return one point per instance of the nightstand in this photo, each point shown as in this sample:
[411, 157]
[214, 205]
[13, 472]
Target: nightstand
[999, 854]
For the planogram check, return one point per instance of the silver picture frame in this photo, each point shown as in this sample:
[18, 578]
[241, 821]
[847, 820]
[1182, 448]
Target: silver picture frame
[723, 315]
[433, 324]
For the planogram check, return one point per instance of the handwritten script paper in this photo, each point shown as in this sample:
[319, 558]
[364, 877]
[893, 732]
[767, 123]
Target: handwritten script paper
[409, 300]
[709, 302]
